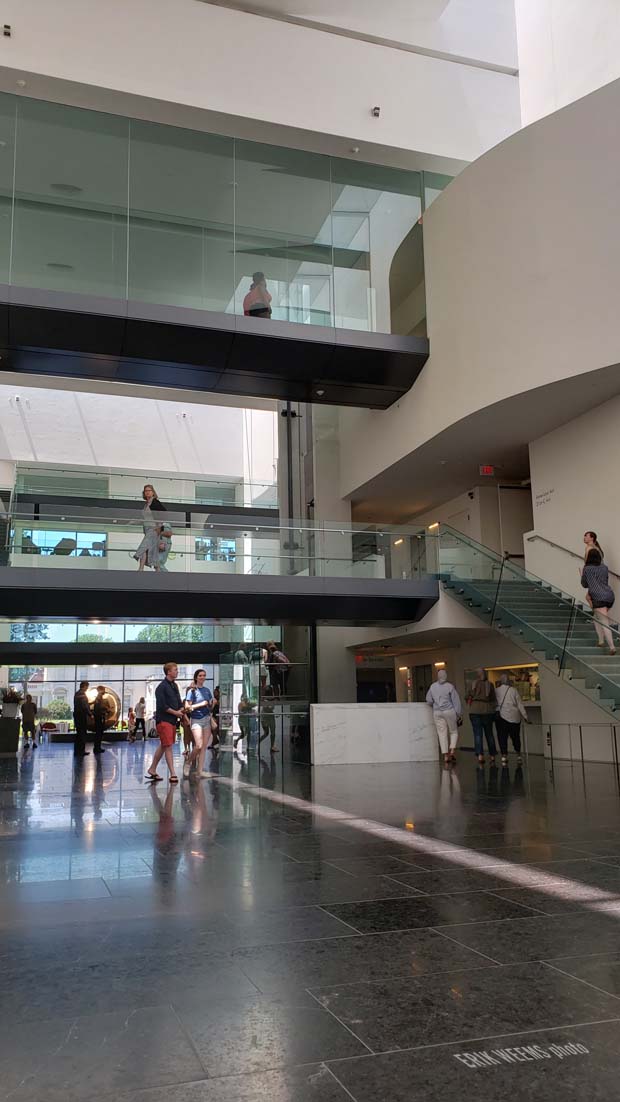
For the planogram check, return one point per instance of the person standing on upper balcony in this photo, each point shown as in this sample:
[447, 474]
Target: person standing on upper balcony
[601, 597]
[155, 545]
[257, 302]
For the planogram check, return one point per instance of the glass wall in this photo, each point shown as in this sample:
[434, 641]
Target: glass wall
[84, 633]
[127, 209]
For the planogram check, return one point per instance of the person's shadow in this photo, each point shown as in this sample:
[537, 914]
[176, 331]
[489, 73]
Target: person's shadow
[167, 850]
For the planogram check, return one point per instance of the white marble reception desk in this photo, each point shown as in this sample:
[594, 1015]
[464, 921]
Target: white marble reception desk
[348, 734]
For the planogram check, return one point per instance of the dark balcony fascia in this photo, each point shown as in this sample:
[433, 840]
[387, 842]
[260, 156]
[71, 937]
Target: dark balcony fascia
[41, 593]
[268, 517]
[87, 336]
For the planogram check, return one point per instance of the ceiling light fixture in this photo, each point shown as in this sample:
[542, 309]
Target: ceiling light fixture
[435, 525]
[398, 542]
[58, 267]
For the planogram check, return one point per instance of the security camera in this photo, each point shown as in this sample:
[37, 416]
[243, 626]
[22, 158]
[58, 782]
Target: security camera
[376, 111]
[470, 494]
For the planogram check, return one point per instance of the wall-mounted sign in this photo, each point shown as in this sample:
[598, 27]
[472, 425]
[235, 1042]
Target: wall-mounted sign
[487, 469]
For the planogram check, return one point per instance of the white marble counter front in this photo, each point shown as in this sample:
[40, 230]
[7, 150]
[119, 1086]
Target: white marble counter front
[348, 734]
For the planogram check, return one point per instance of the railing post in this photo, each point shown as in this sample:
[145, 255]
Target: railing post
[499, 582]
[571, 620]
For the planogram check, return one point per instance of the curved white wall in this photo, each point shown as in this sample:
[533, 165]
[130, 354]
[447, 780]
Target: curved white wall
[522, 256]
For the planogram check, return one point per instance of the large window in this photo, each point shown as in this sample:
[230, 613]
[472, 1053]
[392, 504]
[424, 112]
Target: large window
[71, 543]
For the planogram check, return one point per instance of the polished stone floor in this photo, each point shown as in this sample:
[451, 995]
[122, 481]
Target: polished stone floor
[273, 933]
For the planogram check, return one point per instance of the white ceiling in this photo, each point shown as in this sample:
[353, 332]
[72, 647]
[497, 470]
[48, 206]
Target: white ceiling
[60, 426]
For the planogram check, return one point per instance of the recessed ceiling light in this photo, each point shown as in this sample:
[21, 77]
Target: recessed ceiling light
[60, 267]
[67, 189]
[320, 393]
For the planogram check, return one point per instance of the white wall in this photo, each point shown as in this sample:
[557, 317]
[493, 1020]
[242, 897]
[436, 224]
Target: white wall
[567, 48]
[522, 278]
[242, 67]
[573, 471]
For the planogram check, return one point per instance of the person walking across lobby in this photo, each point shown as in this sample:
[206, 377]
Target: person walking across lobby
[168, 710]
[81, 715]
[446, 705]
[482, 704]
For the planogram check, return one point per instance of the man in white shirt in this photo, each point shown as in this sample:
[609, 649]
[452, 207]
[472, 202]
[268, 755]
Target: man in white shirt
[447, 709]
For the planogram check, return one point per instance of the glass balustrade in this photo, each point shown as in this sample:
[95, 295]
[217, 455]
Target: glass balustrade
[99, 204]
[97, 540]
[40, 481]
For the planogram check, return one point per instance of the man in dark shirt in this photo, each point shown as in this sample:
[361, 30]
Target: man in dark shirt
[81, 715]
[168, 710]
[100, 714]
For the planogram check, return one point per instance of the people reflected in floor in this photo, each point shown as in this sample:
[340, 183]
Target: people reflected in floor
[100, 716]
[245, 709]
[279, 666]
[268, 719]
[98, 798]
[447, 712]
[257, 302]
[167, 849]
[81, 716]
[198, 702]
[482, 703]
[78, 797]
[215, 719]
[168, 712]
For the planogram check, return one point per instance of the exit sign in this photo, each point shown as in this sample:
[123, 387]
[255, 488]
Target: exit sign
[486, 468]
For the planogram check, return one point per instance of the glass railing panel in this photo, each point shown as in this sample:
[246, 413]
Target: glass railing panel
[122, 208]
[592, 654]
[112, 542]
[283, 237]
[70, 216]
[265, 704]
[181, 217]
[536, 617]
[7, 154]
[374, 208]
[119, 485]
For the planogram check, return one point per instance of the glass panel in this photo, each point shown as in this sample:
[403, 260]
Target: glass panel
[101, 633]
[374, 209]
[434, 183]
[284, 231]
[181, 217]
[70, 222]
[7, 154]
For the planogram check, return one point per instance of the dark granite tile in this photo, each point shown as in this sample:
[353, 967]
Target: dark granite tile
[547, 903]
[560, 1065]
[539, 938]
[95, 1056]
[381, 865]
[263, 1036]
[486, 1002]
[52, 891]
[311, 1083]
[335, 888]
[601, 971]
[274, 927]
[278, 968]
[416, 913]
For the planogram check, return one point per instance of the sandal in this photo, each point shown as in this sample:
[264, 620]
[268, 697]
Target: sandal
[173, 779]
[153, 777]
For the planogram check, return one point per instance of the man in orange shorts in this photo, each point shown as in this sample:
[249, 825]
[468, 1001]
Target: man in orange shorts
[168, 710]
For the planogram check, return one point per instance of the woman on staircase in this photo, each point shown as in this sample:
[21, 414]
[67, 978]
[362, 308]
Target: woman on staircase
[601, 597]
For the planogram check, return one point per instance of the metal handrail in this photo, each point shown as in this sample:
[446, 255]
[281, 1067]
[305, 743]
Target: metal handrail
[567, 550]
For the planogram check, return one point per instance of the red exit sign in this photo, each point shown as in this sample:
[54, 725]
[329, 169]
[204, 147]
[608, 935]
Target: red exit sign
[486, 468]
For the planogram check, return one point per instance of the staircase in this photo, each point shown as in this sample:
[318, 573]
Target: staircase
[551, 626]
